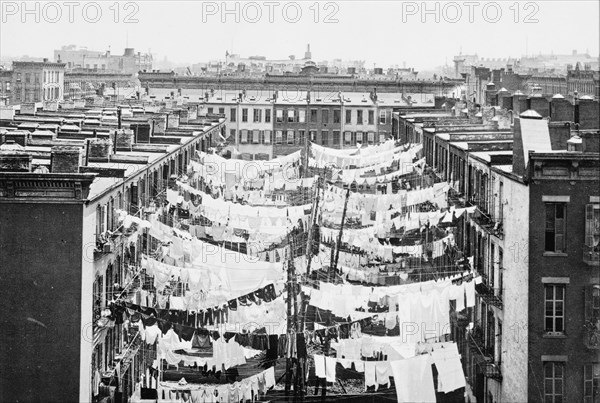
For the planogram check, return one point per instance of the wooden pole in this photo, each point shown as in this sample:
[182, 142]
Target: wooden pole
[339, 239]
[290, 291]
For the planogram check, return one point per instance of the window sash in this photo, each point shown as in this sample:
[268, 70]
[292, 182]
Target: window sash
[278, 137]
[349, 116]
[255, 136]
[591, 382]
[359, 137]
[313, 116]
[301, 116]
[244, 115]
[554, 373]
[554, 308]
[555, 227]
[267, 138]
[290, 137]
[382, 117]
[244, 136]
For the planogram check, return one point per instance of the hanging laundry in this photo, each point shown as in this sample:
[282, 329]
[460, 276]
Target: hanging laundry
[410, 372]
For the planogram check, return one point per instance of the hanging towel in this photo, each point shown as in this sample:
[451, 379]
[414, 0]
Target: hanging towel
[330, 363]
[413, 379]
[320, 366]
[470, 291]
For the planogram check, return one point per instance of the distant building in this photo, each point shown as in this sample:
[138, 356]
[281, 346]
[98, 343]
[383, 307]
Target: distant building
[29, 82]
[129, 62]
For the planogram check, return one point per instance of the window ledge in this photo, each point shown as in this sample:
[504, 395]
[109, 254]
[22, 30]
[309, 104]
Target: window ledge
[554, 336]
[556, 254]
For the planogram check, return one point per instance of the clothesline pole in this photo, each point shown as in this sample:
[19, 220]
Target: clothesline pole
[339, 240]
[317, 190]
[290, 323]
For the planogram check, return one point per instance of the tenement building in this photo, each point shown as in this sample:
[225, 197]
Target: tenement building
[531, 166]
[74, 200]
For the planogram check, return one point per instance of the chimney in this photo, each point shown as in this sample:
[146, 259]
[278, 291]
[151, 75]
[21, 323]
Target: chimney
[99, 148]
[124, 138]
[14, 158]
[561, 110]
[65, 159]
[587, 113]
[560, 132]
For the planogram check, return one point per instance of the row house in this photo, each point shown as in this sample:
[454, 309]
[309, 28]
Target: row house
[534, 241]
[30, 82]
[262, 125]
[70, 255]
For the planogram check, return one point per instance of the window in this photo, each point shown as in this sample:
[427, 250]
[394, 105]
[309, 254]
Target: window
[257, 115]
[554, 317]
[370, 137]
[221, 111]
[591, 383]
[209, 110]
[232, 114]
[382, 117]
[592, 224]
[500, 201]
[290, 116]
[301, 137]
[359, 117]
[325, 115]
[555, 227]
[347, 138]
[337, 116]
[313, 116]
[279, 116]
[278, 137]
[267, 115]
[336, 137]
[244, 114]
[290, 137]
[232, 134]
[244, 136]
[267, 139]
[359, 137]
[382, 137]
[27, 78]
[324, 137]
[348, 116]
[301, 116]
[313, 135]
[592, 305]
[553, 381]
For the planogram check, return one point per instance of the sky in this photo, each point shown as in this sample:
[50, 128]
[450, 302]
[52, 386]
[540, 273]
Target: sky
[383, 33]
